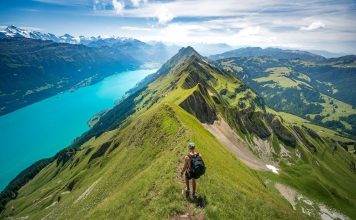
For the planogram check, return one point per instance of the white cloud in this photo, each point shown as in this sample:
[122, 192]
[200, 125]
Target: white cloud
[137, 3]
[314, 26]
[193, 8]
[250, 31]
[133, 28]
[163, 14]
[118, 6]
[243, 23]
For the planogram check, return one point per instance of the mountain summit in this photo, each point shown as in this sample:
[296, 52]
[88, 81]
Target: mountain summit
[127, 166]
[15, 32]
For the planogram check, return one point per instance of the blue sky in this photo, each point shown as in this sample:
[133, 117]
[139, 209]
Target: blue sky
[315, 24]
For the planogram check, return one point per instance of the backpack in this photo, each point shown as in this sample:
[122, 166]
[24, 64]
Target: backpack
[197, 166]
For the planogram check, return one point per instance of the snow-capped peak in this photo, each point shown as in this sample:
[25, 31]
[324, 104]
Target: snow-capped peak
[67, 38]
[12, 31]
[101, 40]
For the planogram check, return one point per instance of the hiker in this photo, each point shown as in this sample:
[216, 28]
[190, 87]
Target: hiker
[193, 168]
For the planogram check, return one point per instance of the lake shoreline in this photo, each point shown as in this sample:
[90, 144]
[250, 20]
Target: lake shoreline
[83, 103]
[34, 97]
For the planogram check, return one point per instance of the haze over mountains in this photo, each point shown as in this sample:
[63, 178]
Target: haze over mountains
[206, 49]
[36, 65]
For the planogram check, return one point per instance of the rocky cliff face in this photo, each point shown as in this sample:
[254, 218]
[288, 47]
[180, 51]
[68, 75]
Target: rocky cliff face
[200, 105]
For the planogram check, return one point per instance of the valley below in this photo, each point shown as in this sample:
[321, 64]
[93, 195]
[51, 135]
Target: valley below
[52, 124]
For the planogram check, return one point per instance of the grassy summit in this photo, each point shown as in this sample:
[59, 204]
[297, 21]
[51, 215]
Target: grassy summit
[128, 165]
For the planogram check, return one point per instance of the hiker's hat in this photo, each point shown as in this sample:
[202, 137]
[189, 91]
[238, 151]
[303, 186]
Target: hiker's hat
[191, 145]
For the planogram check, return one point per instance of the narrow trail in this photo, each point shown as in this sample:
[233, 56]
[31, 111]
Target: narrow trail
[223, 132]
[87, 191]
[192, 210]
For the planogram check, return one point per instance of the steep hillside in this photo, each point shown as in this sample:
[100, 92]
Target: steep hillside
[127, 166]
[32, 70]
[322, 92]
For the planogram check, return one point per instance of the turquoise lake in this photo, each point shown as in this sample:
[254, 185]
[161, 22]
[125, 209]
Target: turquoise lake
[42, 129]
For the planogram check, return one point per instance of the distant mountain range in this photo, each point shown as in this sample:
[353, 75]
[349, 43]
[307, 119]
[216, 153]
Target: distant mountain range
[143, 52]
[214, 50]
[36, 65]
[272, 52]
[13, 31]
[327, 54]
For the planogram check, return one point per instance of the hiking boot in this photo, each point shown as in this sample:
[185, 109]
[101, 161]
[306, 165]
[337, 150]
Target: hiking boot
[187, 193]
[194, 195]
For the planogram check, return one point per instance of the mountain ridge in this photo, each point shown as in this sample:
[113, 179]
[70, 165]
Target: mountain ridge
[270, 51]
[124, 156]
[13, 31]
[144, 52]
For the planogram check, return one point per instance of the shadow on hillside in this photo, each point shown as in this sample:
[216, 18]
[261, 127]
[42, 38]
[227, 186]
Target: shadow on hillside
[200, 201]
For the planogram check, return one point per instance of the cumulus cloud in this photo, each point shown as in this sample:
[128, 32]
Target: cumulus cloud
[163, 15]
[314, 26]
[241, 23]
[118, 6]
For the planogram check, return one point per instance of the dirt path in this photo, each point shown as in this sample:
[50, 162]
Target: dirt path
[222, 131]
[288, 193]
[87, 191]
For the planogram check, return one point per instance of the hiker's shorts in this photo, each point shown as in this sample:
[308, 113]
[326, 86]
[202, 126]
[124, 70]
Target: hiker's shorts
[188, 176]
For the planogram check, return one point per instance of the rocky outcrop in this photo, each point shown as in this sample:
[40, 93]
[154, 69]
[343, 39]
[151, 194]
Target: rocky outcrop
[304, 139]
[200, 105]
[249, 121]
[313, 134]
[282, 132]
[197, 74]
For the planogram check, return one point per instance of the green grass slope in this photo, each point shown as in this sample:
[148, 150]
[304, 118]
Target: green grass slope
[128, 166]
[320, 91]
[138, 177]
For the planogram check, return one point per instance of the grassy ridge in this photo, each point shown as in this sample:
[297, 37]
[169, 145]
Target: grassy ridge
[132, 171]
[140, 177]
